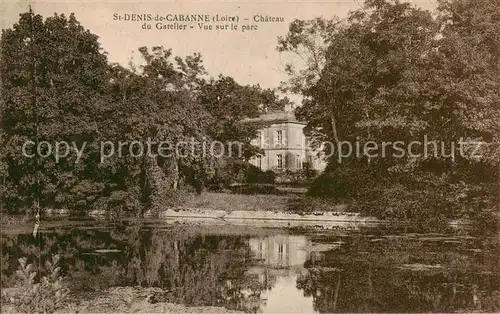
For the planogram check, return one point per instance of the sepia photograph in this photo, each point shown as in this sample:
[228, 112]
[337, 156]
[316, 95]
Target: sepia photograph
[258, 156]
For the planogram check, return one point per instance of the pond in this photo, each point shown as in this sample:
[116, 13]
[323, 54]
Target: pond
[270, 270]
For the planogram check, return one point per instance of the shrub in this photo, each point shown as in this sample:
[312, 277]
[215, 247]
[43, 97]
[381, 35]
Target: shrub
[309, 172]
[425, 197]
[238, 172]
[46, 296]
[343, 182]
[255, 175]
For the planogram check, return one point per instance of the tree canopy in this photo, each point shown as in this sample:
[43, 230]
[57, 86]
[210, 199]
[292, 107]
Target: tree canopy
[392, 72]
[58, 86]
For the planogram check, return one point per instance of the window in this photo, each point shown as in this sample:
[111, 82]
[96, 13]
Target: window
[279, 136]
[280, 252]
[280, 161]
[298, 162]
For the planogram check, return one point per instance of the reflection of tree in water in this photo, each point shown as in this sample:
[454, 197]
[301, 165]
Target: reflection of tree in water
[196, 269]
[364, 275]
[367, 276]
[69, 244]
[193, 269]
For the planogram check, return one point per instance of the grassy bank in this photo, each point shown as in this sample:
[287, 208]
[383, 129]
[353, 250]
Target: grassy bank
[228, 202]
[275, 203]
[232, 202]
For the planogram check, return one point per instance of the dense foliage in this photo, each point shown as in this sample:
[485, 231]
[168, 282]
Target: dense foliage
[57, 85]
[392, 72]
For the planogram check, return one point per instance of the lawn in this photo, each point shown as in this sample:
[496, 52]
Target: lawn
[276, 203]
[231, 202]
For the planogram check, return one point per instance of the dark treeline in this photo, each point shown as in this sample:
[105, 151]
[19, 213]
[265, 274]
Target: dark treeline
[57, 85]
[393, 72]
[389, 72]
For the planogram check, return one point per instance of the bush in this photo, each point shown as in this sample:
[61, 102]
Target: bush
[238, 172]
[344, 182]
[306, 204]
[120, 204]
[255, 175]
[309, 172]
[425, 197]
[46, 296]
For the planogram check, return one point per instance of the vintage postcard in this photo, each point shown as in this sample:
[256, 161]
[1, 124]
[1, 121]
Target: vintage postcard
[250, 156]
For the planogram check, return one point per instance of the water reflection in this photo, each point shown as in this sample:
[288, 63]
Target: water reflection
[263, 271]
[281, 259]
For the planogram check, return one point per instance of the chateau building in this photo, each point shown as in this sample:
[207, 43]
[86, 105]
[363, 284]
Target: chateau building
[285, 146]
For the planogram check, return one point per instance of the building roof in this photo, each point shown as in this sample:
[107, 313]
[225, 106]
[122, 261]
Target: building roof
[274, 116]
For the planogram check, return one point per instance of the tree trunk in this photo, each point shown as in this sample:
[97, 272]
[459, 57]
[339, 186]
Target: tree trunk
[2, 194]
[368, 131]
[175, 175]
[333, 120]
[335, 135]
[336, 295]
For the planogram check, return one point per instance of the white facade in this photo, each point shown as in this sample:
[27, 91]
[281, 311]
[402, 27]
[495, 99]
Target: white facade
[285, 146]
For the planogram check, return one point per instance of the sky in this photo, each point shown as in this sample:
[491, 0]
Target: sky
[249, 57]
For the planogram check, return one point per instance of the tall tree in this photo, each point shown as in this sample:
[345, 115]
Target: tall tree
[391, 72]
[228, 103]
[307, 42]
[53, 74]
